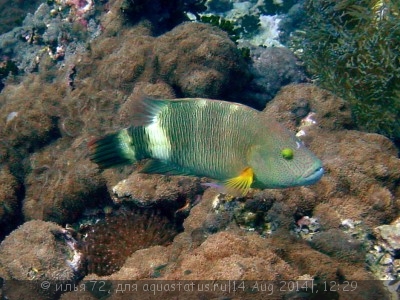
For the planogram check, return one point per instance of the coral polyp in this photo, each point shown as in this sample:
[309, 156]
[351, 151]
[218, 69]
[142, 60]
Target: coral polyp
[110, 241]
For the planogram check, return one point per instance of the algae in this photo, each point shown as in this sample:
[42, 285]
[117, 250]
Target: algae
[352, 49]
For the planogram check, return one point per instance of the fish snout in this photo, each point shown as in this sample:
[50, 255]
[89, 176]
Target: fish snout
[312, 175]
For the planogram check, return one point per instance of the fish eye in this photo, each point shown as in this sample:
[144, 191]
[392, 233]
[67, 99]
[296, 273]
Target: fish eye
[287, 153]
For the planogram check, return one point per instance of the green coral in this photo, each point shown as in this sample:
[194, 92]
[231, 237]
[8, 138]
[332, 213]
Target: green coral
[352, 47]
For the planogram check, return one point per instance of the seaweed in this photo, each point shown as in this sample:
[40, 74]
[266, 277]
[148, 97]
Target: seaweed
[352, 48]
[223, 24]
[248, 26]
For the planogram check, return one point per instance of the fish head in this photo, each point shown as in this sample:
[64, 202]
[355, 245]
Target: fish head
[282, 160]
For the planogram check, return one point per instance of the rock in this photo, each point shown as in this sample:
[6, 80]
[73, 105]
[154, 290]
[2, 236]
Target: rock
[148, 190]
[295, 102]
[39, 250]
[271, 69]
[214, 68]
[389, 237]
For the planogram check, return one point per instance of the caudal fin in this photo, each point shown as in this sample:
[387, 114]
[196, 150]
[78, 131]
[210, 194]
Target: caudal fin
[112, 150]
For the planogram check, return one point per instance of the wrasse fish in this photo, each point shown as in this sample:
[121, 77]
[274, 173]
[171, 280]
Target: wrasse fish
[229, 142]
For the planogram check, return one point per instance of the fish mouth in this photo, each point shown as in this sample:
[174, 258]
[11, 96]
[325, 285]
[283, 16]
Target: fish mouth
[311, 176]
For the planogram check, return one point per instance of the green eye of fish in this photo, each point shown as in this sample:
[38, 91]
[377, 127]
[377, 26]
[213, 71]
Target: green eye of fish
[287, 153]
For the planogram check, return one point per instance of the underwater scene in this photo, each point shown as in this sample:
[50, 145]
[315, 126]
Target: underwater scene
[200, 149]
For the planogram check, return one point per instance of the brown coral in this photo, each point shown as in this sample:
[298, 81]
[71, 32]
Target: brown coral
[60, 187]
[214, 67]
[10, 192]
[36, 250]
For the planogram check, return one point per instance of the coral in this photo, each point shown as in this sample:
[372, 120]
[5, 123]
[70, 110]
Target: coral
[171, 192]
[225, 255]
[51, 35]
[256, 236]
[352, 49]
[62, 184]
[7, 67]
[39, 250]
[46, 120]
[109, 242]
[383, 257]
[35, 252]
[10, 193]
[28, 123]
[336, 243]
[295, 101]
[362, 170]
[12, 13]
[271, 68]
[213, 69]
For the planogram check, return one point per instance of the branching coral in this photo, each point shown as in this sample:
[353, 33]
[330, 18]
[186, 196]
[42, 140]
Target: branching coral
[352, 48]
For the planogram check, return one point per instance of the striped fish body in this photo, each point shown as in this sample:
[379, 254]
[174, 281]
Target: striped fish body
[225, 141]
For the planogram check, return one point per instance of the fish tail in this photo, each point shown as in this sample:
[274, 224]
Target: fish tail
[113, 150]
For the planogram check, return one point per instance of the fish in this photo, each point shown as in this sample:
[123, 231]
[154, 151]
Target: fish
[233, 144]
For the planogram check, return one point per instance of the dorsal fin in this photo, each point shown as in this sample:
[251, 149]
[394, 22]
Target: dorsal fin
[146, 109]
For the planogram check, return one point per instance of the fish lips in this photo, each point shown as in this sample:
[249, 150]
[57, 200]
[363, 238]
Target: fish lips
[312, 175]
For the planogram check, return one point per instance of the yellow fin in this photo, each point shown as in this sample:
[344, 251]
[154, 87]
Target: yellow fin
[240, 185]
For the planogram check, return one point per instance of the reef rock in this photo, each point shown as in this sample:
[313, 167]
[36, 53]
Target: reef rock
[271, 69]
[223, 238]
[147, 190]
[39, 250]
[214, 67]
[10, 191]
[60, 188]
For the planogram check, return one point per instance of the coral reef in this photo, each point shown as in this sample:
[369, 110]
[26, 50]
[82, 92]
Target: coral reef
[59, 189]
[383, 257]
[56, 32]
[271, 68]
[163, 14]
[149, 190]
[351, 48]
[50, 116]
[362, 169]
[319, 232]
[10, 194]
[34, 252]
[214, 68]
[39, 250]
[12, 13]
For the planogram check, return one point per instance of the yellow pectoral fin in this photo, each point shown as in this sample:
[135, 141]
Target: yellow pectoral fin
[240, 185]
